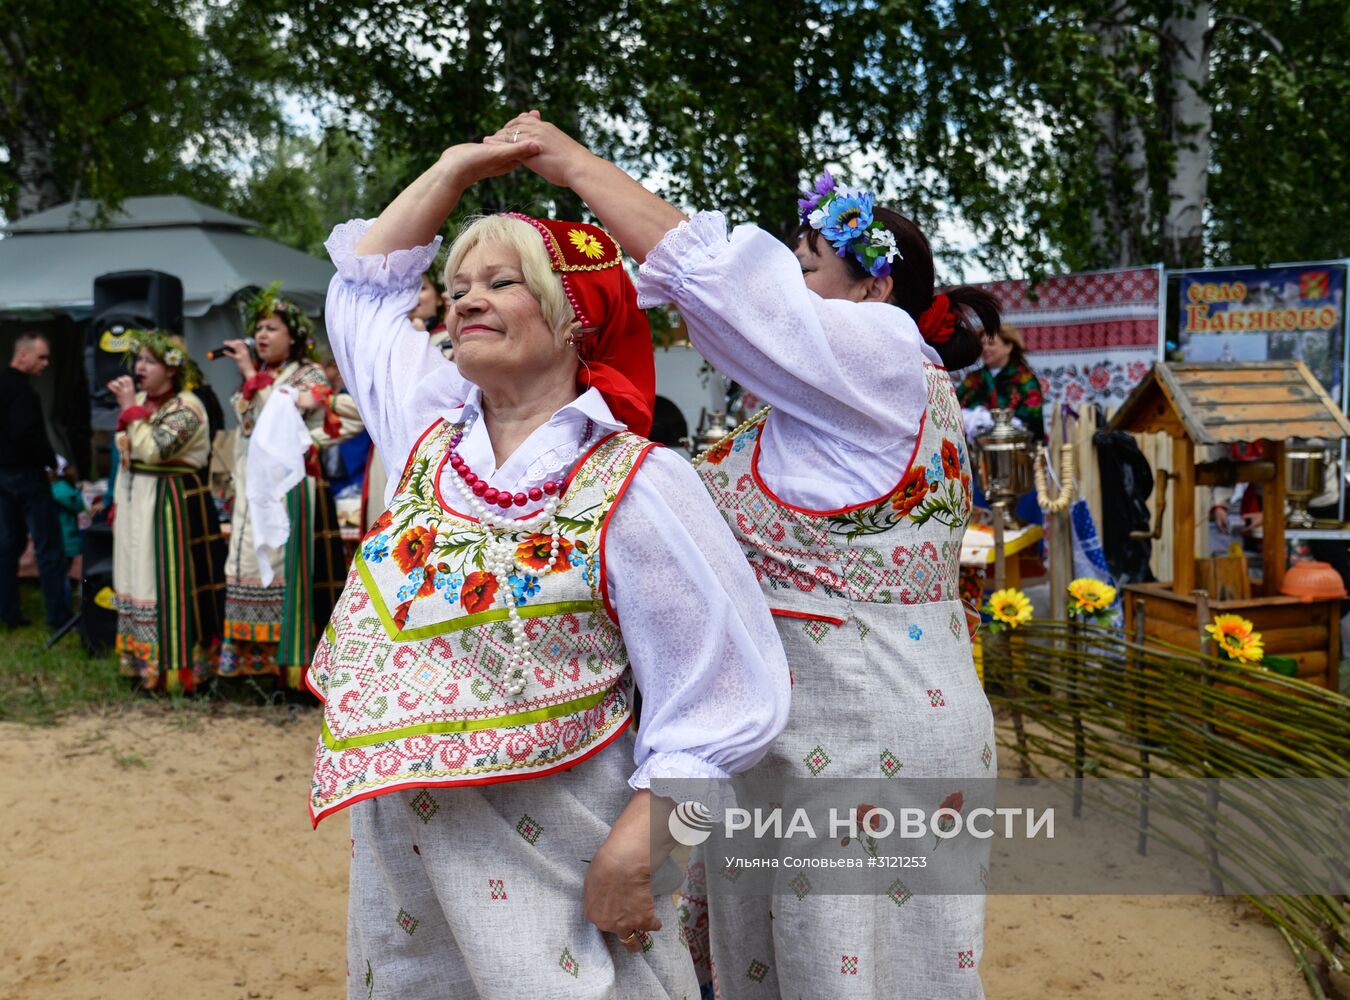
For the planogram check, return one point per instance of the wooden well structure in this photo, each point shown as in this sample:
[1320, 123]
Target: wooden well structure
[1199, 405]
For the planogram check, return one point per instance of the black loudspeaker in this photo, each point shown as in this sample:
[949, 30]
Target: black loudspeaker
[129, 300]
[98, 610]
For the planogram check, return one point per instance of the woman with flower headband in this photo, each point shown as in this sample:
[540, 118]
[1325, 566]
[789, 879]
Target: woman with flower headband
[271, 627]
[849, 498]
[168, 553]
[538, 561]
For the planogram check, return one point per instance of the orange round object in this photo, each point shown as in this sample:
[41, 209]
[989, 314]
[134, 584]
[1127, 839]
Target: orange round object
[1312, 581]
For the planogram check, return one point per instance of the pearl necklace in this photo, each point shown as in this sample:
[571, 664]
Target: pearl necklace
[499, 550]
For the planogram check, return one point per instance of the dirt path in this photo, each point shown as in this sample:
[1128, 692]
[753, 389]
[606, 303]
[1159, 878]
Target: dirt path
[161, 854]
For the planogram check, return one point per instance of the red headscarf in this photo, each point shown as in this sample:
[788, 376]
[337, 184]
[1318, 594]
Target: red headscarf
[615, 342]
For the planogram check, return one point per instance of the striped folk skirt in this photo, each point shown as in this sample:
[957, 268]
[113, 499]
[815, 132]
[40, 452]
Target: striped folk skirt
[169, 575]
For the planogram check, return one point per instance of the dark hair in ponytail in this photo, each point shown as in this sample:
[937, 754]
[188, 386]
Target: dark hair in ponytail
[957, 342]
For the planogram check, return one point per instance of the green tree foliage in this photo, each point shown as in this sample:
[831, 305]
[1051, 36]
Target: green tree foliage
[110, 98]
[1100, 79]
[1280, 187]
[413, 78]
[1053, 130]
[301, 187]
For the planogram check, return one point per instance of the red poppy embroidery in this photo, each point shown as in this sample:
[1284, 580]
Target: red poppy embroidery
[911, 491]
[719, 451]
[534, 550]
[401, 614]
[428, 583]
[381, 522]
[951, 460]
[413, 548]
[479, 590]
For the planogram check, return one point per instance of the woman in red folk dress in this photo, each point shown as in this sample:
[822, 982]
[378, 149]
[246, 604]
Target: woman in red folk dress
[538, 561]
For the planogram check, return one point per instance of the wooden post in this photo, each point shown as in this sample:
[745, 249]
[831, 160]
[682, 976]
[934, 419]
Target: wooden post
[1212, 801]
[1141, 708]
[1059, 533]
[1183, 516]
[1000, 560]
[1273, 556]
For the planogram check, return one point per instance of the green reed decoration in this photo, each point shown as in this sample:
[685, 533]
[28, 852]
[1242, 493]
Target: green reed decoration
[1091, 700]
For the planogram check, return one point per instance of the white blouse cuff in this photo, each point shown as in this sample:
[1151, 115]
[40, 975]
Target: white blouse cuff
[685, 248]
[378, 274]
[675, 764]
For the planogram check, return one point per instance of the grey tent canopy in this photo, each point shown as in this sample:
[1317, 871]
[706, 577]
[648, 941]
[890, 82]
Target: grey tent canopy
[48, 261]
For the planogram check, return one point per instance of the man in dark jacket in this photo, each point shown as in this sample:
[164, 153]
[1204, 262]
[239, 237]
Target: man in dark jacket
[26, 506]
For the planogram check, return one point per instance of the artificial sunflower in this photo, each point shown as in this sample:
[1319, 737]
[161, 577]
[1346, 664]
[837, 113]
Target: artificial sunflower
[587, 243]
[1089, 597]
[1237, 638]
[1010, 608]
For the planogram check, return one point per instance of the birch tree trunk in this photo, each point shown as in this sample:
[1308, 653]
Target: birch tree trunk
[1118, 217]
[1190, 127]
[28, 139]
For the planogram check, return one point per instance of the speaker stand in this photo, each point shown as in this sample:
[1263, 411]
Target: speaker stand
[63, 631]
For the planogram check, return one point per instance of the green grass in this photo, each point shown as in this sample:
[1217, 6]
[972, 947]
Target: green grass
[38, 686]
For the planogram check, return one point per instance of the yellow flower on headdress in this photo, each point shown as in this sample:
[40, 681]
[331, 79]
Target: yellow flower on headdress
[1009, 607]
[587, 243]
[1089, 595]
[1236, 638]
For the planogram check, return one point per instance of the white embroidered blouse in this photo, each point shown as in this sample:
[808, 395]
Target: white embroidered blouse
[703, 648]
[845, 378]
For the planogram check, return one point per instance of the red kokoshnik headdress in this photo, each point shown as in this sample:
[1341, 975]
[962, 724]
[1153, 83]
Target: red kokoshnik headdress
[615, 343]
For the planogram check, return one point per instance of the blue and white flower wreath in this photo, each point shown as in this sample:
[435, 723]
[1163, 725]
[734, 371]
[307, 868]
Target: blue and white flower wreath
[844, 217]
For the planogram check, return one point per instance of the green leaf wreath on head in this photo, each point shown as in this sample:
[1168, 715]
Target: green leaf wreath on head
[169, 349]
[269, 303]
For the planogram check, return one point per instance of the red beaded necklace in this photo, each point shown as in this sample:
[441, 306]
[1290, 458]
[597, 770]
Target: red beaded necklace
[505, 498]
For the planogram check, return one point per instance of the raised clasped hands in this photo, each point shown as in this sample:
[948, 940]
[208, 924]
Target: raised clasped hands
[526, 139]
[471, 162]
[555, 154]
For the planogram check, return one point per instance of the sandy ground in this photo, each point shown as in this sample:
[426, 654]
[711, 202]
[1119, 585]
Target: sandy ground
[161, 854]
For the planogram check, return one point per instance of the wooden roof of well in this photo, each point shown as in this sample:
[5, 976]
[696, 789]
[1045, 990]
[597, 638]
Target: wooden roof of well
[1227, 402]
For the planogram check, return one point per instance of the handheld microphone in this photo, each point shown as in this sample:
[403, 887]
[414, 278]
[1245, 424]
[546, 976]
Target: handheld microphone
[220, 352]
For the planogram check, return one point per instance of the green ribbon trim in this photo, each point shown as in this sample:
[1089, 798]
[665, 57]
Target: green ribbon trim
[145, 468]
[456, 624]
[296, 647]
[175, 642]
[467, 725]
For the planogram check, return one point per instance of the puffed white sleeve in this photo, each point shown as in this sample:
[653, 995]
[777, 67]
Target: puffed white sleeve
[398, 378]
[852, 370]
[703, 647]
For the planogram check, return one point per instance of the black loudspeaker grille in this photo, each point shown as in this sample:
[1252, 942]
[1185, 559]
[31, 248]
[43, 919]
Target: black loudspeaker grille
[98, 614]
[153, 297]
[130, 300]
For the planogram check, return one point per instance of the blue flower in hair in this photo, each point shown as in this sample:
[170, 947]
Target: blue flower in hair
[844, 218]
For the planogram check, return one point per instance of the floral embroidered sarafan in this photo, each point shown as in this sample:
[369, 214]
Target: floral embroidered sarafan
[413, 670]
[796, 552]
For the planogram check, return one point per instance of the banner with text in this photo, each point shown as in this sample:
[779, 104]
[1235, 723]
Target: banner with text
[1267, 314]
